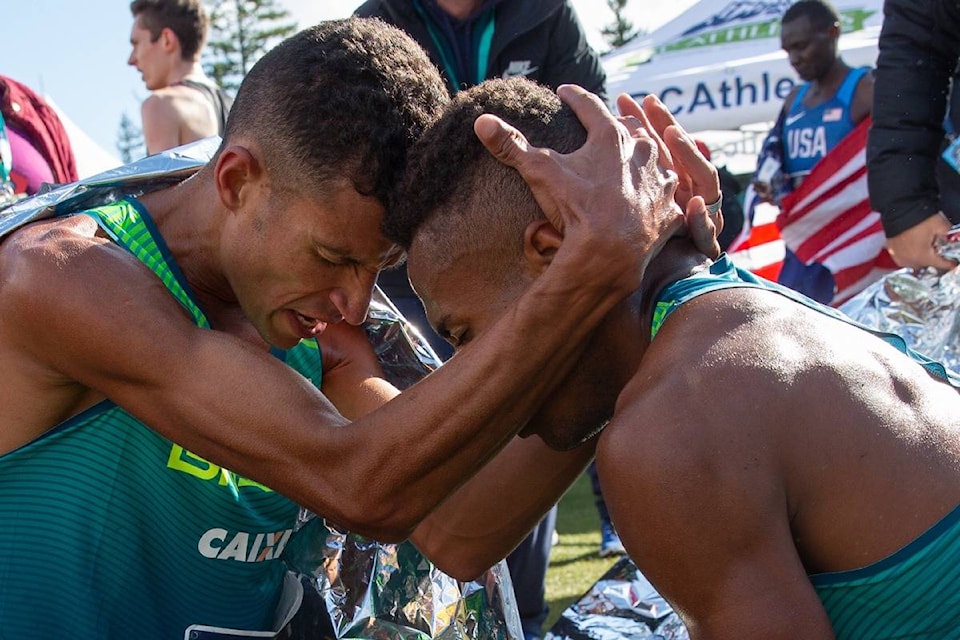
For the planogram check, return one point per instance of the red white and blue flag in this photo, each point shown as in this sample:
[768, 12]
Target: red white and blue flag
[827, 219]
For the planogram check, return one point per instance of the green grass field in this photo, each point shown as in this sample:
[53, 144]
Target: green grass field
[574, 563]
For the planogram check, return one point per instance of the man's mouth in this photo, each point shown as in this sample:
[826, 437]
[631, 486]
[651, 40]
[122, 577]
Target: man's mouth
[306, 326]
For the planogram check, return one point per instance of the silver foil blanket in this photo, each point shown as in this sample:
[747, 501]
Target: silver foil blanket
[922, 306]
[621, 605]
[148, 174]
[356, 588]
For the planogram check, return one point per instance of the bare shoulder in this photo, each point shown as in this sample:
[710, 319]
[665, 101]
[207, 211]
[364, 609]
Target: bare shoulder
[749, 361]
[61, 283]
[175, 115]
[39, 249]
[692, 470]
[737, 373]
[163, 103]
[64, 292]
[39, 257]
[35, 271]
[712, 347]
[694, 402]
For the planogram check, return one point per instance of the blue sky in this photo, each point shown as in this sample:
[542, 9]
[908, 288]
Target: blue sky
[75, 51]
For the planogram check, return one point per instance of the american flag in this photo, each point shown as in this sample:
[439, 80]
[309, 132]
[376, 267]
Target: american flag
[759, 247]
[827, 219]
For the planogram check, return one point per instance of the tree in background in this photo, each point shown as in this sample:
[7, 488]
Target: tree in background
[621, 31]
[129, 140]
[241, 31]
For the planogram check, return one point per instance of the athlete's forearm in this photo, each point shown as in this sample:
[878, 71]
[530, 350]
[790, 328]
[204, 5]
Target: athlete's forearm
[399, 462]
[491, 514]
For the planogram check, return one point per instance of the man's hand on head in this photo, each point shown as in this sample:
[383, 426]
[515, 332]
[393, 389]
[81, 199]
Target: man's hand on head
[611, 198]
[697, 175]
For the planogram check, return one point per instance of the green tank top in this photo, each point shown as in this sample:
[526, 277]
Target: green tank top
[109, 530]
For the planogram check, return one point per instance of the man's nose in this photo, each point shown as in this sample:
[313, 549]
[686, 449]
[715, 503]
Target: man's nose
[353, 299]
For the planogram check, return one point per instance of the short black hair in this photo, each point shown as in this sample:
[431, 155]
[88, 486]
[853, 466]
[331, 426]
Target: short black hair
[452, 181]
[186, 18]
[821, 14]
[343, 100]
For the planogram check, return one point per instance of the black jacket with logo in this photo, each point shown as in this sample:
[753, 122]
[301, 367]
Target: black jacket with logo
[541, 39]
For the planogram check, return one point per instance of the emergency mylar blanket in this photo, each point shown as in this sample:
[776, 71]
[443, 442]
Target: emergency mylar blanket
[356, 588]
[922, 306]
[621, 605]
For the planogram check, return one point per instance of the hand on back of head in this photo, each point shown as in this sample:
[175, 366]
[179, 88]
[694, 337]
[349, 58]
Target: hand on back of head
[617, 196]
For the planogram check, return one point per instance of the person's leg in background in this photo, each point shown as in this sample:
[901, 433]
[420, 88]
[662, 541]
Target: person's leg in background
[528, 570]
[610, 544]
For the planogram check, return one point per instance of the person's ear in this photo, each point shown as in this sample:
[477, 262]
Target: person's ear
[541, 241]
[236, 173]
[169, 40]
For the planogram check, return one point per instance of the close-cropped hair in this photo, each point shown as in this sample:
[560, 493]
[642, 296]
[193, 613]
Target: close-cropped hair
[186, 18]
[822, 15]
[343, 100]
[452, 181]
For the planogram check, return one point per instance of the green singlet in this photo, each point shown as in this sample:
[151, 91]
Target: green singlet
[913, 593]
[109, 530]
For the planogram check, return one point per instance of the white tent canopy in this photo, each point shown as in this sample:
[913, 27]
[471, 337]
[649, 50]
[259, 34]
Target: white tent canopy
[91, 158]
[719, 64]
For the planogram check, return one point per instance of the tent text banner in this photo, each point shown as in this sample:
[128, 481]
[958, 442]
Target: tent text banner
[720, 66]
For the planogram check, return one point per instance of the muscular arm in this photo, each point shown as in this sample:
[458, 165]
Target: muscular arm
[353, 379]
[492, 513]
[233, 404]
[471, 531]
[487, 517]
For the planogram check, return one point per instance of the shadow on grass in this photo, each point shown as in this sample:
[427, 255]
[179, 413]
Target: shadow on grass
[568, 560]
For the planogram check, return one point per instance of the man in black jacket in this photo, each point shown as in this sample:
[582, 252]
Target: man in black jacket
[919, 50]
[472, 40]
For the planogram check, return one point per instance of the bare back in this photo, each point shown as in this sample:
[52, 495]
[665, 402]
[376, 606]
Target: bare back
[176, 115]
[777, 442]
